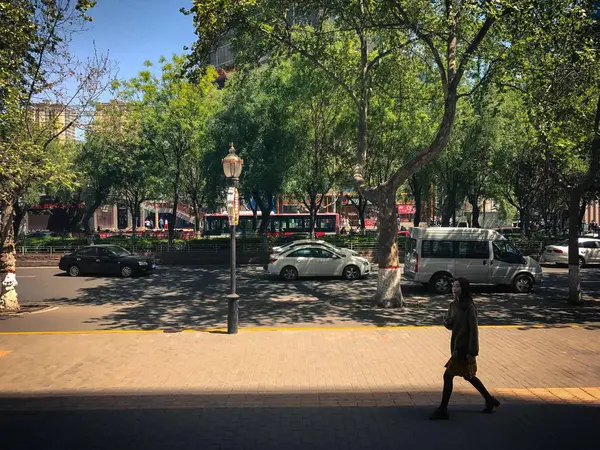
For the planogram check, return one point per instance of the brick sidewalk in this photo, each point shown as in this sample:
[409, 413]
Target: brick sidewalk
[328, 389]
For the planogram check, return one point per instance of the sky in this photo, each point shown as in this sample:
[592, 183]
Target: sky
[134, 31]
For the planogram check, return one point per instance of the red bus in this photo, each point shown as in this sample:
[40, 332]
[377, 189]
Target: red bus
[280, 225]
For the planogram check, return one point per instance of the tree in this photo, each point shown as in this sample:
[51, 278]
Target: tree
[174, 113]
[195, 181]
[325, 124]
[557, 70]
[99, 162]
[36, 65]
[450, 33]
[257, 118]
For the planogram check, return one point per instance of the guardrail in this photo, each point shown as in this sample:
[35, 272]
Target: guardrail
[155, 248]
[528, 248]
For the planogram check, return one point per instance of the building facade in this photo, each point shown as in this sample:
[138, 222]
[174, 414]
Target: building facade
[592, 212]
[55, 116]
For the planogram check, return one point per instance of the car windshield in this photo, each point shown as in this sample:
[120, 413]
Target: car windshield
[119, 251]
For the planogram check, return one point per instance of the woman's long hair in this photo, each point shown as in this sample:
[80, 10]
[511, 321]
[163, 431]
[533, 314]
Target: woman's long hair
[465, 290]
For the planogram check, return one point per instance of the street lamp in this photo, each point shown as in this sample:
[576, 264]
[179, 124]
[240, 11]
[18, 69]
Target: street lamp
[232, 167]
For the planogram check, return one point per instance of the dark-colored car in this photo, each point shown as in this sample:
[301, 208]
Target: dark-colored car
[105, 260]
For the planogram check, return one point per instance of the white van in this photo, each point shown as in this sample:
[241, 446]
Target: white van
[435, 256]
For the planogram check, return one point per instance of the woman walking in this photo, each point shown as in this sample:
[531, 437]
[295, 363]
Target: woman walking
[461, 318]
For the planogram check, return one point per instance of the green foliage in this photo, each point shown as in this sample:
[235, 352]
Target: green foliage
[258, 119]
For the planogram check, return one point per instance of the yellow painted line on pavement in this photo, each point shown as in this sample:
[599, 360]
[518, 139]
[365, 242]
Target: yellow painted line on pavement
[270, 329]
[366, 328]
[34, 333]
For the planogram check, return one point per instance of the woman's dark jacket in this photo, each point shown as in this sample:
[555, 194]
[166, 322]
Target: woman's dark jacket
[461, 318]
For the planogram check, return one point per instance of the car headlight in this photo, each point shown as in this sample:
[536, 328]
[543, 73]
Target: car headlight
[142, 263]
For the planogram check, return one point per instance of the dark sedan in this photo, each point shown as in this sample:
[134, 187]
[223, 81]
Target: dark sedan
[105, 260]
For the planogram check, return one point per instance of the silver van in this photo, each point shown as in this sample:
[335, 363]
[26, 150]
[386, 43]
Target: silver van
[435, 256]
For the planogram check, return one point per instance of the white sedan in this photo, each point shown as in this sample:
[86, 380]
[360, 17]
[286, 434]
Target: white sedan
[302, 242]
[315, 261]
[589, 252]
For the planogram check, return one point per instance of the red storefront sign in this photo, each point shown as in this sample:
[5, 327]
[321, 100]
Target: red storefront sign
[406, 209]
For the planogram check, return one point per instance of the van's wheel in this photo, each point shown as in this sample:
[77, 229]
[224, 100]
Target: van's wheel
[441, 283]
[74, 270]
[126, 271]
[581, 261]
[351, 273]
[289, 273]
[523, 283]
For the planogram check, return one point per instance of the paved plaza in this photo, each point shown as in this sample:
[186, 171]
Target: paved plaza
[324, 389]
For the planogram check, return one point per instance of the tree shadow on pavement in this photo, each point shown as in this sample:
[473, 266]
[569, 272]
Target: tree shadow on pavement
[195, 298]
[333, 420]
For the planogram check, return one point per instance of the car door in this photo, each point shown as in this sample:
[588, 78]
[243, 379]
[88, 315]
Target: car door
[301, 260]
[506, 262]
[591, 251]
[473, 261]
[107, 262]
[86, 260]
[326, 263]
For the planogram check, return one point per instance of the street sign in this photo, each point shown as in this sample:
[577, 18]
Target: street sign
[233, 206]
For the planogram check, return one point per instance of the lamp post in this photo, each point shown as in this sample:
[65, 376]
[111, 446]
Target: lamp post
[232, 167]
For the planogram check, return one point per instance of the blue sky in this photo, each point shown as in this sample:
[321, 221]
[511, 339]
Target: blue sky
[134, 31]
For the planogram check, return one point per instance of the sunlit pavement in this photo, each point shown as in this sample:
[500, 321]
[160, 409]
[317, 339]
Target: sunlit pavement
[325, 389]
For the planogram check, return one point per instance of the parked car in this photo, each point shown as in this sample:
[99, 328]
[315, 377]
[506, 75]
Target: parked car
[105, 260]
[317, 261]
[436, 256]
[589, 252]
[293, 244]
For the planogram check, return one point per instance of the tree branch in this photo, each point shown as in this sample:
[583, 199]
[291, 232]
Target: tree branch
[339, 81]
[474, 45]
[426, 37]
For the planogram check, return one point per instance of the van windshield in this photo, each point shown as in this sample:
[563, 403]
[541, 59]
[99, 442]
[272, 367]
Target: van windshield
[503, 248]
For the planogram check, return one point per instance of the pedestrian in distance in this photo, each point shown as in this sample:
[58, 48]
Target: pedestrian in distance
[166, 224]
[461, 318]
[161, 223]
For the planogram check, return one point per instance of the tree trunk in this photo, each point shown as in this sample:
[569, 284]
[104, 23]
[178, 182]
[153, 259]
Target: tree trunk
[173, 219]
[19, 216]
[449, 209]
[135, 211]
[476, 212]
[90, 213]
[582, 208]
[389, 293]
[418, 207]
[197, 220]
[362, 209]
[265, 208]
[575, 296]
[312, 214]
[8, 260]
[417, 191]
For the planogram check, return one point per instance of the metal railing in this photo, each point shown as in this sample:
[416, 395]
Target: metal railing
[527, 247]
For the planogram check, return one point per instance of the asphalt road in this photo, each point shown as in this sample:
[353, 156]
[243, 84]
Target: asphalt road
[195, 297]
[43, 285]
